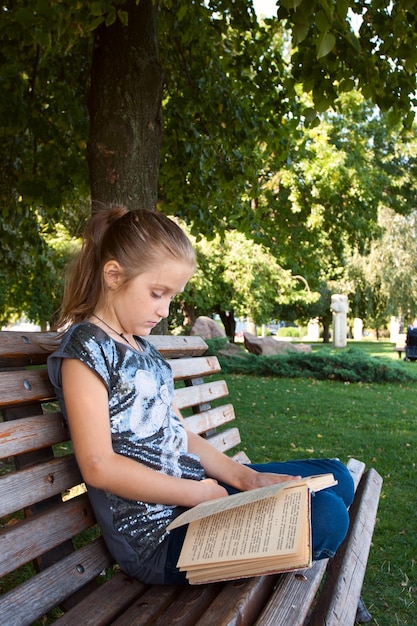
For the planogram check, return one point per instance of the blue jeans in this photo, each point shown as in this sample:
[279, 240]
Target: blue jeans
[329, 515]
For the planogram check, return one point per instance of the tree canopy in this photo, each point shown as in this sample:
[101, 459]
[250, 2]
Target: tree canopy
[201, 93]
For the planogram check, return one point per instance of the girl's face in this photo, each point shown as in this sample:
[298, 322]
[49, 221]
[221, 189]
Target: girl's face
[144, 301]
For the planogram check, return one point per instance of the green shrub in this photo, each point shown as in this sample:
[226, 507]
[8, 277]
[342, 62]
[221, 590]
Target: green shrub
[288, 331]
[350, 365]
[216, 344]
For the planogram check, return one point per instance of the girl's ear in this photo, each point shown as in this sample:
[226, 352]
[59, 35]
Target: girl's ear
[112, 273]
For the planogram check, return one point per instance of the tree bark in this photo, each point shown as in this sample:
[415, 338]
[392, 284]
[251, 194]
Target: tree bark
[125, 106]
[326, 332]
[229, 323]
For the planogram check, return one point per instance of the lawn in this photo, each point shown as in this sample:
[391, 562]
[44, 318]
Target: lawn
[299, 418]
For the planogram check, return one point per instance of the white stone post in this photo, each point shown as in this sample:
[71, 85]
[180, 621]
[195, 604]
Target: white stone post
[339, 307]
[313, 330]
[357, 329]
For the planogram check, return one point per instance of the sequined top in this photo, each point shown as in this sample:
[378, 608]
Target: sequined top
[143, 427]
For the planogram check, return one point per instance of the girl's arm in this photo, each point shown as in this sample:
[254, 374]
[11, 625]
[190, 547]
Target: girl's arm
[224, 469]
[86, 402]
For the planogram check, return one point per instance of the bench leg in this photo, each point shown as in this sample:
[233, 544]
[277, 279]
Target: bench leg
[362, 613]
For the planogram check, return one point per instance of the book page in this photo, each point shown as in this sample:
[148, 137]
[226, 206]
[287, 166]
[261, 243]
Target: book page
[212, 507]
[277, 525]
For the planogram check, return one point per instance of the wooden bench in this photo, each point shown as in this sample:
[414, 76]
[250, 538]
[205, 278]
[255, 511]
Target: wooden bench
[48, 561]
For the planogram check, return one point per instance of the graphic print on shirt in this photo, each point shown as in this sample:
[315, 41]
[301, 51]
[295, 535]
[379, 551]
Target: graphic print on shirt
[150, 408]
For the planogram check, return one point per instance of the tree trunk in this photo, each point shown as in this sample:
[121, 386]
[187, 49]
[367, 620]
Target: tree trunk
[125, 106]
[326, 332]
[229, 323]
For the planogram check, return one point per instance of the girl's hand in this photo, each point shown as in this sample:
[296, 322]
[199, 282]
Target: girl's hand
[209, 489]
[264, 479]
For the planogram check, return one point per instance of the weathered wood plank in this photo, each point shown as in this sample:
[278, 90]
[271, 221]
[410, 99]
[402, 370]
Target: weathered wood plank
[225, 440]
[25, 487]
[341, 591]
[36, 596]
[18, 349]
[24, 387]
[290, 602]
[106, 603]
[213, 418]
[32, 348]
[241, 457]
[152, 603]
[189, 605]
[239, 602]
[161, 606]
[207, 392]
[31, 433]
[194, 367]
[175, 347]
[31, 537]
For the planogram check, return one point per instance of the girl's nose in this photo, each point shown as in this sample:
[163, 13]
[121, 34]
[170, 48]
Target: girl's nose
[163, 308]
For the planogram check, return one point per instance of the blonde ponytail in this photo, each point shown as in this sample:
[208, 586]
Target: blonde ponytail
[137, 240]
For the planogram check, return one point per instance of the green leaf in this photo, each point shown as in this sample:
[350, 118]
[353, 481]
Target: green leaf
[394, 117]
[96, 8]
[95, 23]
[24, 17]
[111, 17]
[291, 4]
[123, 17]
[322, 22]
[342, 7]
[325, 44]
[299, 32]
[310, 114]
[347, 84]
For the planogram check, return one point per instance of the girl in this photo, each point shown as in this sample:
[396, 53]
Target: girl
[141, 464]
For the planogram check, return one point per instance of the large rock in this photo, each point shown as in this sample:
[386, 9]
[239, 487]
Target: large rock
[267, 346]
[232, 349]
[207, 328]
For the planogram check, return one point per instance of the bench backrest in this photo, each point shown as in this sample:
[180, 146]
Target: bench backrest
[43, 506]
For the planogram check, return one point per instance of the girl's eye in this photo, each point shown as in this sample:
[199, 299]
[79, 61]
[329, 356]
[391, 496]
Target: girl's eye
[156, 295]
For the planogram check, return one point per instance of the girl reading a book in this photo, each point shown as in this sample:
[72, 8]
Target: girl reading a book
[141, 464]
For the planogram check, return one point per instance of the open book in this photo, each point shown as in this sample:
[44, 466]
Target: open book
[256, 532]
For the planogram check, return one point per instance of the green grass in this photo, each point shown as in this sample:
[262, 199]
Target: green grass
[283, 419]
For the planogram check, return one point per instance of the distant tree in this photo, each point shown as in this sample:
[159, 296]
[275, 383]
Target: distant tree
[236, 278]
[92, 79]
[384, 281]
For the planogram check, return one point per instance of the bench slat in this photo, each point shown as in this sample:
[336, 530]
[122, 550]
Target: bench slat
[24, 387]
[18, 349]
[225, 440]
[32, 348]
[36, 596]
[32, 433]
[340, 595]
[105, 603]
[157, 602]
[240, 602]
[290, 602]
[186, 397]
[24, 488]
[175, 347]
[35, 535]
[207, 420]
[195, 367]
